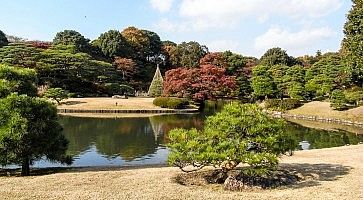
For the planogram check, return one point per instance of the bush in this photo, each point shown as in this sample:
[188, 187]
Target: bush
[285, 104]
[239, 134]
[161, 102]
[176, 103]
[172, 103]
[338, 100]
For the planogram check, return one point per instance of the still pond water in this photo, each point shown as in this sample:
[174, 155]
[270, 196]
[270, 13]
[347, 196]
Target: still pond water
[141, 141]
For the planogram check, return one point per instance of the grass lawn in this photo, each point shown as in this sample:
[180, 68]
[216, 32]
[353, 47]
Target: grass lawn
[323, 109]
[108, 103]
[335, 173]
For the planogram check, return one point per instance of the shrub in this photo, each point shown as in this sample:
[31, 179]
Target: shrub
[338, 100]
[285, 104]
[161, 102]
[172, 103]
[176, 103]
[239, 134]
[56, 94]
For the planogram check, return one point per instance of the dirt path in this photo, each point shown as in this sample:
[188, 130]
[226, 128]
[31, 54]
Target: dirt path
[336, 174]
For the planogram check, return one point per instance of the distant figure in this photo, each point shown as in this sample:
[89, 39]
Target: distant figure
[116, 103]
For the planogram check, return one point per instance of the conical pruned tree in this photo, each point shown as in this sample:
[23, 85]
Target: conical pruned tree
[156, 86]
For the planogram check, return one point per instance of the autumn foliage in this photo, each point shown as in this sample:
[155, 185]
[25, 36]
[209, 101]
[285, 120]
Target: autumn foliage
[205, 82]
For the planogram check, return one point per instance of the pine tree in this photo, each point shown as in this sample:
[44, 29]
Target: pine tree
[156, 86]
[353, 41]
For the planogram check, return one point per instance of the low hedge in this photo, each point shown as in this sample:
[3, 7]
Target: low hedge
[284, 104]
[170, 102]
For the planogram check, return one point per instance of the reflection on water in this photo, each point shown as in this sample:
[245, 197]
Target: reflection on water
[141, 141]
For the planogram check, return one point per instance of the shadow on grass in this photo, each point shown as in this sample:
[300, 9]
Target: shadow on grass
[295, 175]
[313, 174]
[70, 103]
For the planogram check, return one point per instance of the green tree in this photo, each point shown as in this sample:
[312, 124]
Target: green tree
[326, 75]
[112, 44]
[240, 133]
[13, 79]
[56, 94]
[275, 56]
[236, 63]
[263, 84]
[278, 73]
[71, 37]
[353, 41]
[20, 54]
[189, 54]
[138, 40]
[155, 44]
[29, 131]
[156, 86]
[338, 100]
[294, 80]
[3, 40]
[64, 67]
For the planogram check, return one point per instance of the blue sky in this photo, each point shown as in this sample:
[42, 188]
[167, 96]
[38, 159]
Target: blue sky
[249, 27]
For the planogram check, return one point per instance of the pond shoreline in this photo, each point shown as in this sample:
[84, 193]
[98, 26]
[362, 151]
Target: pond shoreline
[316, 118]
[126, 111]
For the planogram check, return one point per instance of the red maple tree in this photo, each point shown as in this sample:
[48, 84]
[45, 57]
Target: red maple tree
[203, 83]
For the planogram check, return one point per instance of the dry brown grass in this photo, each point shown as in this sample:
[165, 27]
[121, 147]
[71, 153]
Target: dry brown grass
[336, 173]
[108, 103]
[327, 126]
[323, 109]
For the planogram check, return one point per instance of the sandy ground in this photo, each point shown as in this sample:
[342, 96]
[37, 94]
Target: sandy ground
[323, 109]
[108, 103]
[337, 173]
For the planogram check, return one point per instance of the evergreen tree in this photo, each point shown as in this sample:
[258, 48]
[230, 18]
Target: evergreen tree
[3, 40]
[156, 87]
[353, 41]
[30, 131]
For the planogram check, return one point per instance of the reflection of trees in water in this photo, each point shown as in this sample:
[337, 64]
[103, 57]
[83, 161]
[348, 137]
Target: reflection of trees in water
[129, 138]
[133, 138]
[321, 138]
[162, 124]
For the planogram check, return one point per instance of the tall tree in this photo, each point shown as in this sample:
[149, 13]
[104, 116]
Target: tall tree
[71, 37]
[138, 40]
[155, 44]
[276, 56]
[353, 41]
[236, 63]
[169, 55]
[112, 44]
[126, 66]
[29, 131]
[206, 82]
[3, 40]
[189, 54]
[328, 74]
[262, 82]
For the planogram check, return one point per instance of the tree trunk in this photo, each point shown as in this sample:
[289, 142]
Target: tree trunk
[201, 105]
[25, 168]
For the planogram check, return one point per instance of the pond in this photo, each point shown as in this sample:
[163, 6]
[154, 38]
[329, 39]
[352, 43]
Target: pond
[142, 141]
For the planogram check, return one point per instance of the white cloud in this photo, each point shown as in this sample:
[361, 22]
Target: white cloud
[295, 42]
[228, 13]
[162, 5]
[223, 45]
